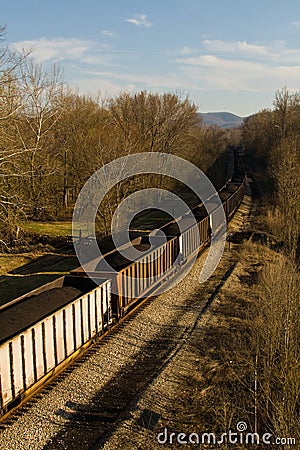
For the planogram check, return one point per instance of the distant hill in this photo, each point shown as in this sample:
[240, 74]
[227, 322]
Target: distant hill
[221, 119]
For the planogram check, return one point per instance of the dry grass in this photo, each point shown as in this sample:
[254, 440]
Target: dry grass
[220, 388]
[48, 228]
[21, 273]
[10, 262]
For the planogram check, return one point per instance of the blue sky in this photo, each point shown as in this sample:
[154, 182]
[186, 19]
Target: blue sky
[228, 55]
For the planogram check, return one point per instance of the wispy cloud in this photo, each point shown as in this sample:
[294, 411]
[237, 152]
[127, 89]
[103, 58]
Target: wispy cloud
[140, 20]
[232, 74]
[234, 66]
[92, 85]
[231, 66]
[187, 50]
[275, 53]
[55, 49]
[108, 33]
[236, 46]
[166, 81]
[296, 23]
[112, 83]
[58, 50]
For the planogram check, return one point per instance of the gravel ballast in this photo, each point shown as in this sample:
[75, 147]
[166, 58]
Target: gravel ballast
[84, 408]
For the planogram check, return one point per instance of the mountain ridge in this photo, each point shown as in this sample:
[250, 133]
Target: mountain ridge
[221, 119]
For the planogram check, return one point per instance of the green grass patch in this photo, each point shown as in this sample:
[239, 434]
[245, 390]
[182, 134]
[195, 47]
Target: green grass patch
[20, 274]
[48, 228]
[10, 262]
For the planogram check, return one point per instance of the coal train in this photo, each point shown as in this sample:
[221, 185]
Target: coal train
[44, 330]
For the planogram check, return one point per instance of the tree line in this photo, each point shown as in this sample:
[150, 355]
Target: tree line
[268, 346]
[52, 139]
[273, 136]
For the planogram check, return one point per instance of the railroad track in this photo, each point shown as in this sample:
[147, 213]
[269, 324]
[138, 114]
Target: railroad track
[69, 414]
[39, 351]
[93, 422]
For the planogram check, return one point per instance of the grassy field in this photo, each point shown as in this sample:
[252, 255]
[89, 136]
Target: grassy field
[10, 262]
[22, 273]
[49, 228]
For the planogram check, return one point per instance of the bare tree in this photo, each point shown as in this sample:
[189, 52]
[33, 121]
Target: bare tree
[285, 168]
[286, 112]
[10, 152]
[276, 342]
[40, 91]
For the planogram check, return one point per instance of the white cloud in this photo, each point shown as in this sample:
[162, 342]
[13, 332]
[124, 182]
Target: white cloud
[167, 81]
[187, 50]
[236, 66]
[277, 52]
[296, 23]
[140, 21]
[90, 86]
[108, 33]
[77, 50]
[214, 61]
[94, 59]
[56, 49]
[232, 66]
[236, 46]
[218, 73]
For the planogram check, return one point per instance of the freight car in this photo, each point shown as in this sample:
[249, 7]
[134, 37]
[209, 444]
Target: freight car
[42, 331]
[132, 281]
